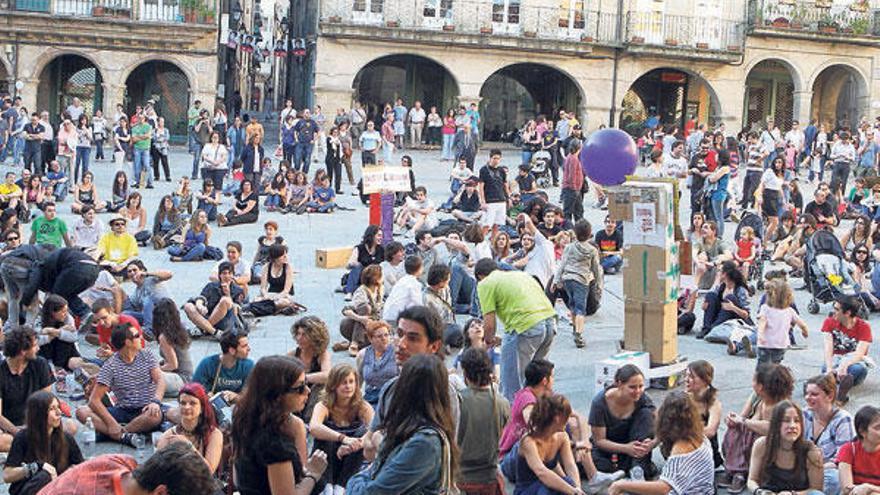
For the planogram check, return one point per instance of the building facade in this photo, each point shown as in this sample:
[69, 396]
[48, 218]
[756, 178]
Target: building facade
[612, 61]
[110, 52]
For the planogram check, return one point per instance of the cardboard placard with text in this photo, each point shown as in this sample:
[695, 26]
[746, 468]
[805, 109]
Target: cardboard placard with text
[386, 179]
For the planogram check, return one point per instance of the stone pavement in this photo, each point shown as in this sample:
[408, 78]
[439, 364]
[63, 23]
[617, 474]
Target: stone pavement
[314, 289]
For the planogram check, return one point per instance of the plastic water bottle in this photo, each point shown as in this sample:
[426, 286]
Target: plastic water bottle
[637, 474]
[88, 436]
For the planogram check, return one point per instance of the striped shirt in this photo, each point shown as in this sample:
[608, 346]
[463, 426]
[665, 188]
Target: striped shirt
[131, 382]
[754, 162]
[692, 473]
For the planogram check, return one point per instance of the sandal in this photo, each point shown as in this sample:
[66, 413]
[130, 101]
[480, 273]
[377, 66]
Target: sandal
[353, 350]
[341, 346]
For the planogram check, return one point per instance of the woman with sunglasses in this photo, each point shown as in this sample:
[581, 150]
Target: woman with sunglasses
[860, 233]
[862, 264]
[270, 442]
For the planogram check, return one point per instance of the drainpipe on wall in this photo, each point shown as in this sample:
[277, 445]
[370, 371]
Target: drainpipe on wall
[612, 117]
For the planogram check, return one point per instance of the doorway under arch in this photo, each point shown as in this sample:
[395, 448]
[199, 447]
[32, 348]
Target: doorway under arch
[408, 77]
[67, 77]
[519, 92]
[770, 87]
[167, 86]
[840, 97]
[672, 97]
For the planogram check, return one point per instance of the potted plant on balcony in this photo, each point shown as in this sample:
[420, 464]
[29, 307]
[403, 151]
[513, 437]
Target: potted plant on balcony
[781, 22]
[449, 27]
[334, 19]
[486, 29]
[797, 17]
[190, 10]
[671, 42]
[530, 34]
[392, 24]
[827, 24]
[586, 38]
[98, 10]
[860, 26]
[637, 40]
[824, 4]
[859, 6]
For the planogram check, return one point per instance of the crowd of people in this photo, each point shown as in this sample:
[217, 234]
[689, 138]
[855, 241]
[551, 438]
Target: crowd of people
[448, 319]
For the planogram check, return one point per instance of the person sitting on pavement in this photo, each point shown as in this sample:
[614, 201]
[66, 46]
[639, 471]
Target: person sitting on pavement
[858, 460]
[196, 240]
[375, 363]
[106, 318]
[57, 335]
[197, 427]
[245, 209]
[392, 267]
[363, 312]
[368, 252]
[175, 469]
[407, 292]
[610, 243]
[226, 373]
[10, 193]
[208, 199]
[536, 255]
[729, 300]
[215, 310]
[87, 231]
[794, 251]
[436, 296]
[822, 209]
[241, 270]
[149, 289]
[35, 459]
[580, 274]
[117, 248]
[174, 342]
[846, 344]
[22, 373]
[312, 339]
[417, 212]
[86, 194]
[622, 422]
[709, 254]
[276, 286]
[136, 215]
[261, 255]
[826, 425]
[167, 223]
[466, 203]
[49, 229]
[771, 384]
[134, 377]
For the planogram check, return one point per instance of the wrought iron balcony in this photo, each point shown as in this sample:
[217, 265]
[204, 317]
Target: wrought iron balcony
[815, 18]
[165, 11]
[695, 33]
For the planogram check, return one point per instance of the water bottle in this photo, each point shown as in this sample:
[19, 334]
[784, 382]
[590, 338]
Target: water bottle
[88, 436]
[140, 447]
[637, 474]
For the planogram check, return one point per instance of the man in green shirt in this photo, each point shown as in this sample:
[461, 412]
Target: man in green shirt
[141, 135]
[49, 229]
[528, 317]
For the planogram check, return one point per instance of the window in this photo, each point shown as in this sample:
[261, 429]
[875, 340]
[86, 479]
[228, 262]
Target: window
[439, 10]
[368, 11]
[505, 11]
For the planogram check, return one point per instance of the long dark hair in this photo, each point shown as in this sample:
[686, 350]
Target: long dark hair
[729, 269]
[421, 399]
[120, 190]
[166, 321]
[677, 420]
[547, 409]
[801, 447]
[41, 444]
[261, 405]
[704, 370]
[167, 214]
[51, 305]
[370, 235]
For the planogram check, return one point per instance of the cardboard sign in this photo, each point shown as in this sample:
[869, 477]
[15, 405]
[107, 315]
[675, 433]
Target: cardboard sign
[388, 179]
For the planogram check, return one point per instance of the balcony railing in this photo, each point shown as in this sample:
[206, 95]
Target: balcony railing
[169, 11]
[822, 17]
[679, 31]
[509, 18]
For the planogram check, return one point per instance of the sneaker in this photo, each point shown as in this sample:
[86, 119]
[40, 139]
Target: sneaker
[601, 481]
[221, 220]
[129, 439]
[722, 479]
[737, 484]
[217, 335]
[348, 298]
[797, 347]
[195, 332]
[579, 341]
[731, 348]
[149, 186]
[747, 345]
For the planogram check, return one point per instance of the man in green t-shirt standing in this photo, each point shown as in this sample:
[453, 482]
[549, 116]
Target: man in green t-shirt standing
[517, 299]
[141, 136]
[49, 229]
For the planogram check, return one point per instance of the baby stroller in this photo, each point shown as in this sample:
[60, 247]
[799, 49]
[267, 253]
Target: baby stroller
[756, 269]
[826, 273]
[540, 168]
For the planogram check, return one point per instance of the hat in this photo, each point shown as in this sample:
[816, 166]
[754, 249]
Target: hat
[117, 218]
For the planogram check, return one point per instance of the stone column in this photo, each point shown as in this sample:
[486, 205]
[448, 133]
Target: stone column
[28, 92]
[802, 106]
[332, 98]
[113, 94]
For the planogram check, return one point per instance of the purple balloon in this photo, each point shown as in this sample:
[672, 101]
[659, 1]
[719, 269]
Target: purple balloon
[609, 156]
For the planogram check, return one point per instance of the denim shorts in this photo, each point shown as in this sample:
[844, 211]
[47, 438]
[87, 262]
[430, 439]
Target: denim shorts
[577, 296]
[124, 415]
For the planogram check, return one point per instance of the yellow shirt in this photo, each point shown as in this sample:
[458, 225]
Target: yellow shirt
[117, 248]
[7, 189]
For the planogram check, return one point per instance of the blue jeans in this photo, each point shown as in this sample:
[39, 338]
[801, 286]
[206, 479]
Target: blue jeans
[196, 146]
[518, 350]
[718, 214]
[302, 156]
[142, 164]
[194, 253]
[577, 296]
[611, 264]
[319, 208]
[446, 153]
[144, 315]
[17, 149]
[462, 289]
[858, 370]
[210, 210]
[354, 279]
[387, 152]
[82, 162]
[60, 191]
[527, 156]
[273, 201]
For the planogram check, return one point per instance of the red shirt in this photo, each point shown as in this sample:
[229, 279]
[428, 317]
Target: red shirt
[744, 248]
[865, 465]
[102, 475]
[847, 339]
[104, 332]
[572, 173]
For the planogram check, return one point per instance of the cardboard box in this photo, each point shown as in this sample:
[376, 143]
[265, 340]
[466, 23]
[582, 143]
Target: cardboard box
[651, 274]
[606, 368]
[332, 257]
[661, 332]
[633, 326]
[649, 206]
[686, 257]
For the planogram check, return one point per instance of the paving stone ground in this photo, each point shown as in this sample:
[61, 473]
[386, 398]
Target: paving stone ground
[314, 289]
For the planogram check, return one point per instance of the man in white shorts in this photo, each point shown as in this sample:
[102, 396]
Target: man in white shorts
[494, 192]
